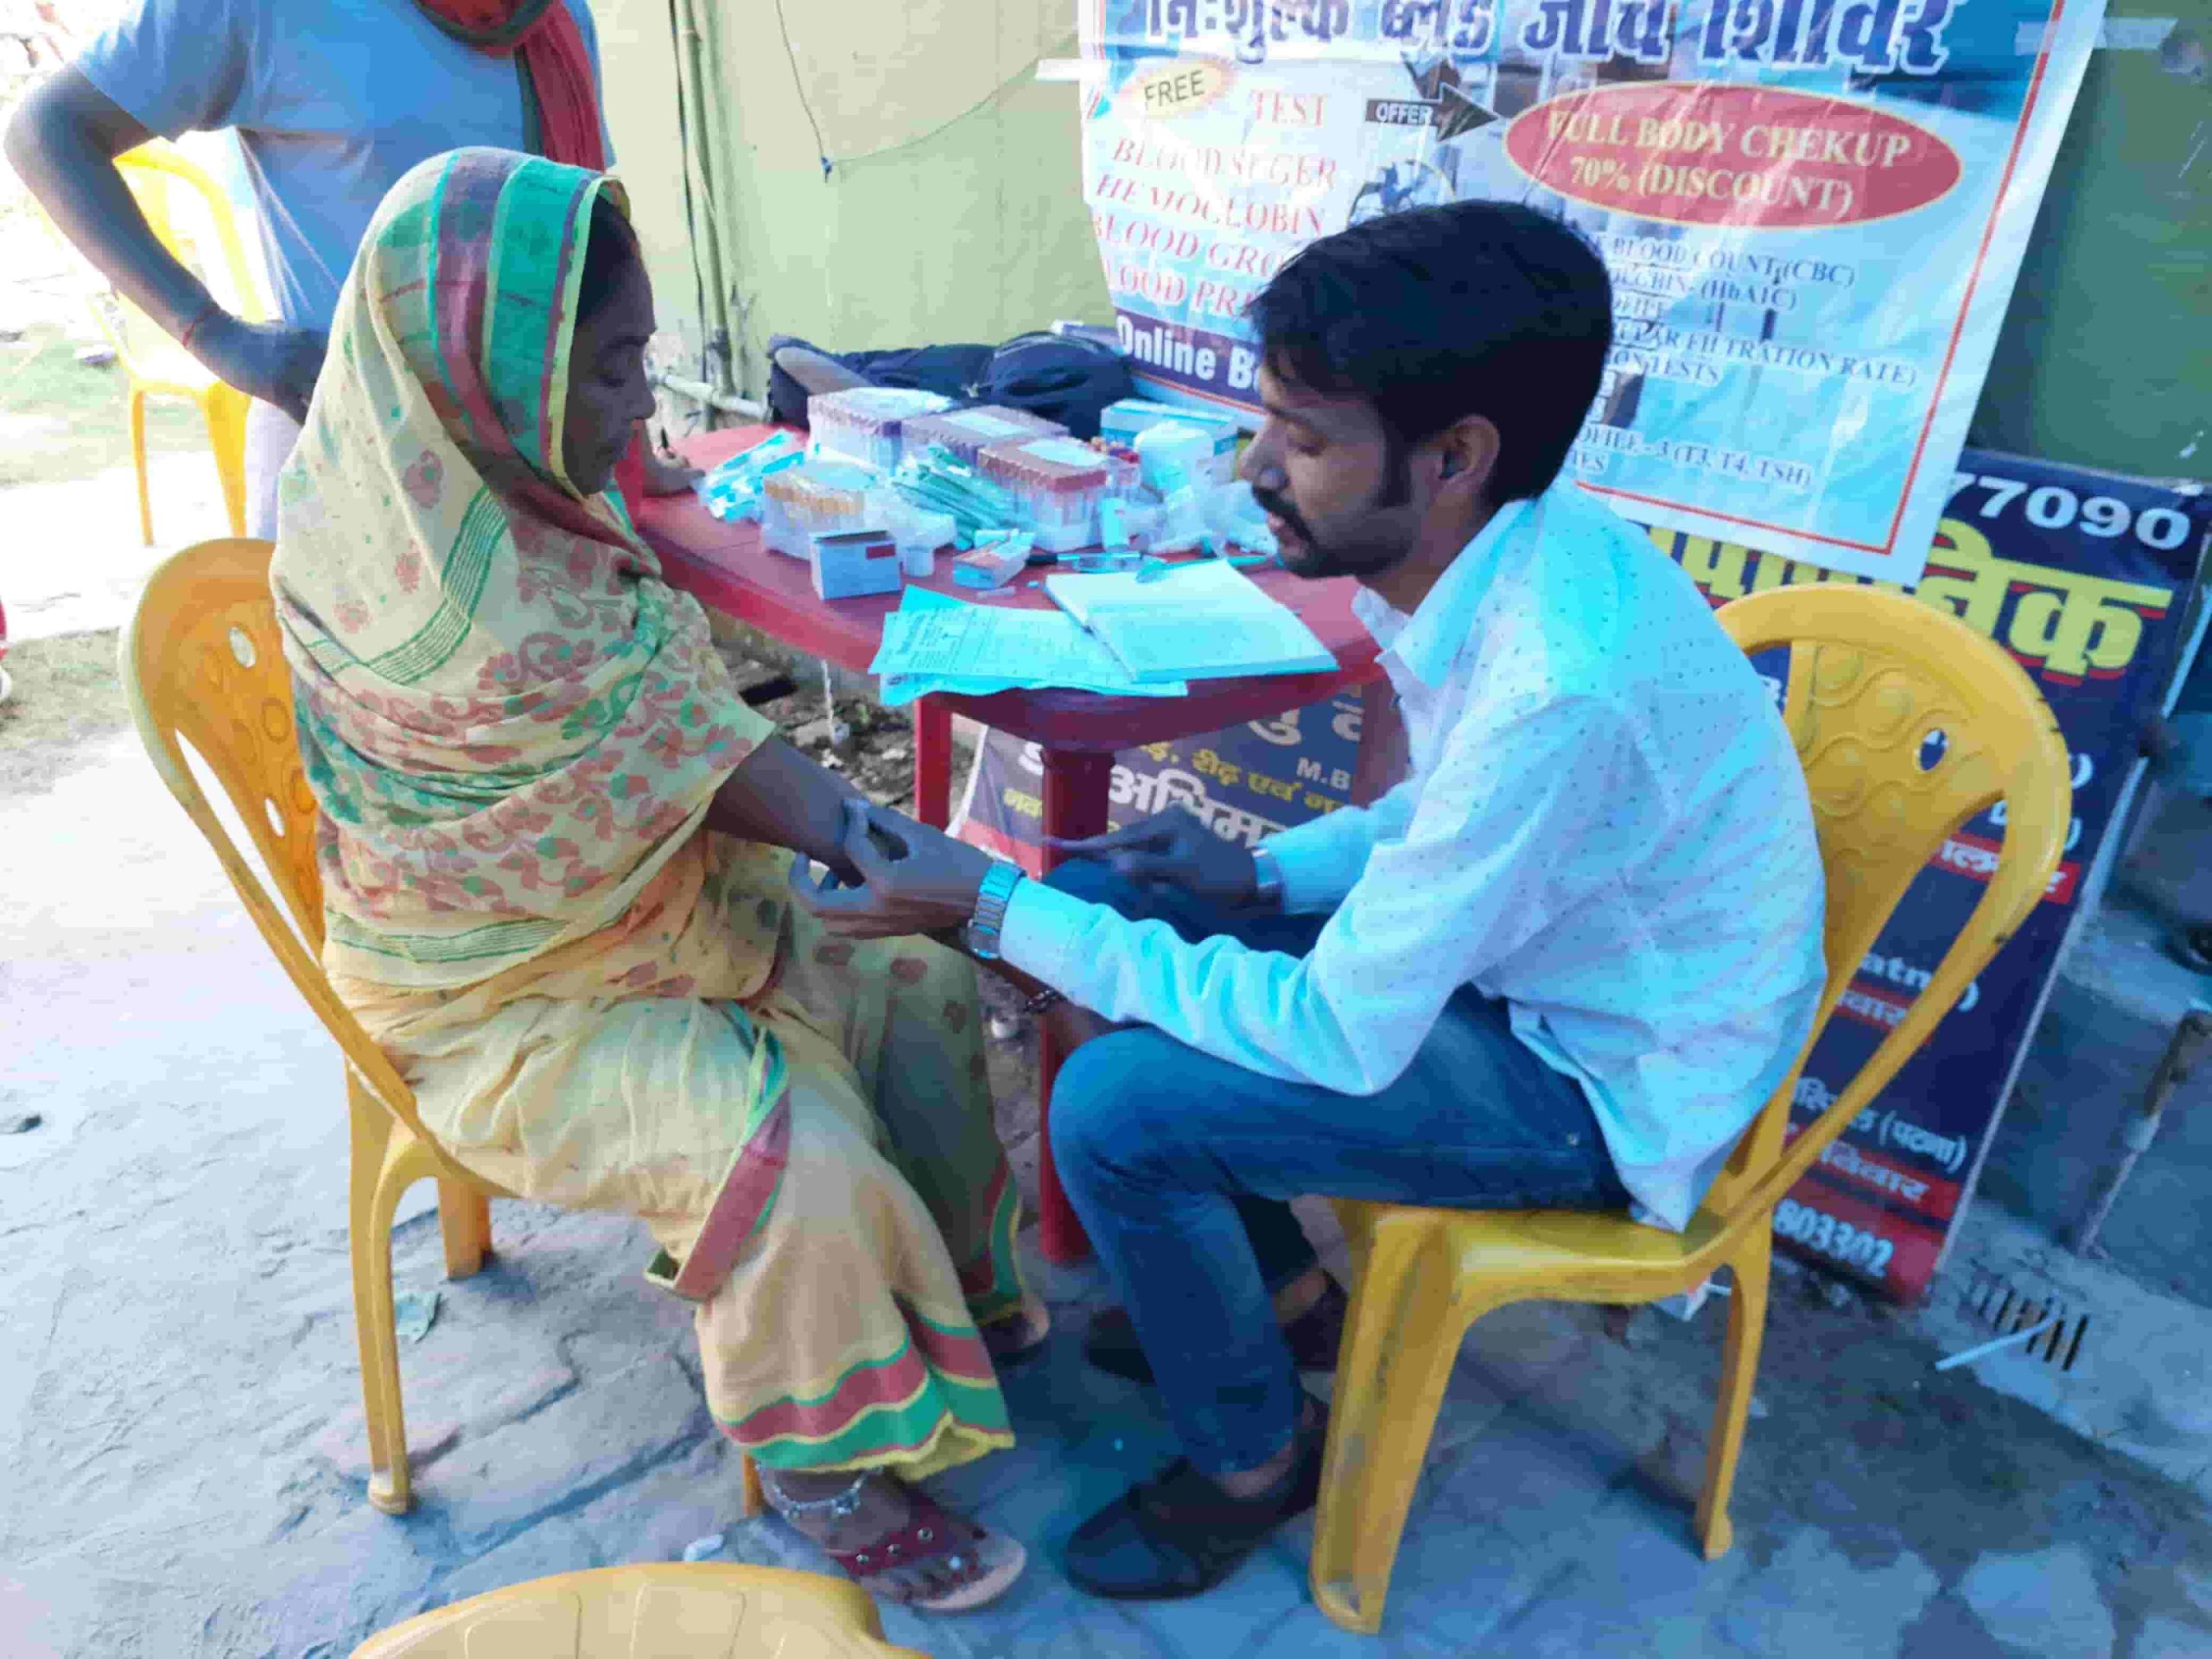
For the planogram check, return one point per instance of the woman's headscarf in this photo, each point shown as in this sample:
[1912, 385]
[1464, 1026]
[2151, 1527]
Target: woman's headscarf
[510, 720]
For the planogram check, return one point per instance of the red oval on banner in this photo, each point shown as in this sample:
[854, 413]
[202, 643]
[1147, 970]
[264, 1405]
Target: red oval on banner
[1704, 153]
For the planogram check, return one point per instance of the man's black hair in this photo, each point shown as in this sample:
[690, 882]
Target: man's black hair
[1479, 307]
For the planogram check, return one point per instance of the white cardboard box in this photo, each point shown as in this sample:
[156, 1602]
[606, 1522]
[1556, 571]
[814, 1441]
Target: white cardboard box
[850, 563]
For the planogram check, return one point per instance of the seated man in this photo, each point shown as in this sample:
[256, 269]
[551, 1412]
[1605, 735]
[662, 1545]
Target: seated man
[1561, 966]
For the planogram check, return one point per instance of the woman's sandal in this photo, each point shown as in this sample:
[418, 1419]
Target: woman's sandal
[1019, 1337]
[934, 1562]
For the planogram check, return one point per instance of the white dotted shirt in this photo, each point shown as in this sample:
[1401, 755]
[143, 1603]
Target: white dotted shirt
[1606, 824]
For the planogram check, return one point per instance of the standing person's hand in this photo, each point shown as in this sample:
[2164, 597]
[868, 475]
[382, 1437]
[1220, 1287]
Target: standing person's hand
[1174, 849]
[272, 361]
[914, 880]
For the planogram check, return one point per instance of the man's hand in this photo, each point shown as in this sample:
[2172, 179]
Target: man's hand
[272, 361]
[914, 880]
[1173, 849]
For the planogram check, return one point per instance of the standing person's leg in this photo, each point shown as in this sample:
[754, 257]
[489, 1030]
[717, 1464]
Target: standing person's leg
[1157, 1140]
[270, 436]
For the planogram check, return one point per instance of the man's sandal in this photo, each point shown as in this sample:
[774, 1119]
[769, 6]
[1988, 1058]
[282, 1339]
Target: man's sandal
[1179, 1534]
[934, 1562]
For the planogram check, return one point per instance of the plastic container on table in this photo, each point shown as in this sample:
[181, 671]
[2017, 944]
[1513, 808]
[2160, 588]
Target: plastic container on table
[1123, 423]
[968, 432]
[920, 534]
[1057, 483]
[1123, 469]
[919, 531]
[864, 423]
[1175, 455]
[812, 498]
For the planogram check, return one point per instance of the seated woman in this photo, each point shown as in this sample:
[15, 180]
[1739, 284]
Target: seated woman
[550, 853]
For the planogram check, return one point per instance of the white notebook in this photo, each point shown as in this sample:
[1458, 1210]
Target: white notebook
[1205, 620]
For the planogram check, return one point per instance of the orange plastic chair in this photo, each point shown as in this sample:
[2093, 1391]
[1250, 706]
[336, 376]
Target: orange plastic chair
[709, 1611]
[203, 667]
[157, 365]
[1871, 674]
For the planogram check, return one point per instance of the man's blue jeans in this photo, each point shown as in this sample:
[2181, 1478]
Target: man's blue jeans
[1180, 1166]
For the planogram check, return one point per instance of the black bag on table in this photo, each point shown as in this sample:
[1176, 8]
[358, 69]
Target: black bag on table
[1058, 378]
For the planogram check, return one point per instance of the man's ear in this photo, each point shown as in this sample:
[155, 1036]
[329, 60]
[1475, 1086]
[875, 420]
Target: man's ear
[1466, 454]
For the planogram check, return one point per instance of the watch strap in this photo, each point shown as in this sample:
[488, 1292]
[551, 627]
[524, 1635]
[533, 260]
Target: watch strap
[991, 901]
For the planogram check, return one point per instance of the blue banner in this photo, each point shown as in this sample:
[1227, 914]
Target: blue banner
[2082, 576]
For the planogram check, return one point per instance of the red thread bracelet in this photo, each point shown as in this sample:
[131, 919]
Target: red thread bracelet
[201, 316]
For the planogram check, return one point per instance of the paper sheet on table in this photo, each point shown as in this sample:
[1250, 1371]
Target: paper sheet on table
[934, 642]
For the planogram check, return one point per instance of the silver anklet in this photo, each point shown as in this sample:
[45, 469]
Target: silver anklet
[835, 1507]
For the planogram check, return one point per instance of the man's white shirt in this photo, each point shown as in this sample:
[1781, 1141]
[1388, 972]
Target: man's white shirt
[1604, 824]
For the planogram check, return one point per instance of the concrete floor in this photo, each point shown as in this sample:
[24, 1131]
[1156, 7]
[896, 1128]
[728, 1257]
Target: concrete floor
[178, 1410]
[180, 1420]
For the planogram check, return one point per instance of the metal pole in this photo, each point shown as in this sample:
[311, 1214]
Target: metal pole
[700, 392]
[2190, 1037]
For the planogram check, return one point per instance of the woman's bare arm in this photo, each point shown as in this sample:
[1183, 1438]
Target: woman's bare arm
[780, 797]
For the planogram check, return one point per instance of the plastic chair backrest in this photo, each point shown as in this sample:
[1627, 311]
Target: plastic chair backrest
[203, 664]
[1908, 723]
[155, 172]
[667, 1610]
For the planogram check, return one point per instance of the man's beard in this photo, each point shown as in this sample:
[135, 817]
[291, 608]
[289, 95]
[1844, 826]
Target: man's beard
[1365, 551]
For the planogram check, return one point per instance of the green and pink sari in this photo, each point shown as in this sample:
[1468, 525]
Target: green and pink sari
[514, 727]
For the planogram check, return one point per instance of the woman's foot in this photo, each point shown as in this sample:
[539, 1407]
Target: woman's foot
[1019, 1337]
[896, 1541]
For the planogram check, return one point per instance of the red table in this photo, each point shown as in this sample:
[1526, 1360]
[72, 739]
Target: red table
[729, 570]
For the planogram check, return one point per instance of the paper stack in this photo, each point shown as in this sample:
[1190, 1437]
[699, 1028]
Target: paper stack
[933, 642]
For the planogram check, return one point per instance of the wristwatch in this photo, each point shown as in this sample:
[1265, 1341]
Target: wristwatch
[991, 901]
[1267, 879]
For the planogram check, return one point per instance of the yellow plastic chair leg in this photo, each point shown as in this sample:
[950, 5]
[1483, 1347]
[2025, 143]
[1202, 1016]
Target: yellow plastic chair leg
[465, 1221]
[370, 1229]
[1400, 1343]
[751, 1500]
[138, 460]
[224, 408]
[1357, 1221]
[1739, 1371]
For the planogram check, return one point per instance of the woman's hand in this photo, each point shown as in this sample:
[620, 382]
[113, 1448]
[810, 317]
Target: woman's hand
[666, 475]
[913, 880]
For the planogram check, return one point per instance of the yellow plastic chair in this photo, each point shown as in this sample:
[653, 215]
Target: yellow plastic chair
[1871, 674]
[203, 667]
[709, 1611]
[157, 365]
